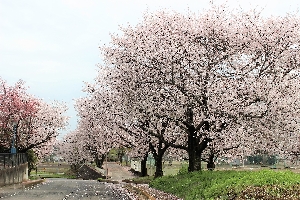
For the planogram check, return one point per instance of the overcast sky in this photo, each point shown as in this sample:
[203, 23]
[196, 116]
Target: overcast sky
[53, 44]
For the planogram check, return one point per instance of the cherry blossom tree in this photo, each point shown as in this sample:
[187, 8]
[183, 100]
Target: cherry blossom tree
[136, 128]
[44, 127]
[71, 148]
[227, 77]
[38, 123]
[16, 105]
[102, 123]
[93, 137]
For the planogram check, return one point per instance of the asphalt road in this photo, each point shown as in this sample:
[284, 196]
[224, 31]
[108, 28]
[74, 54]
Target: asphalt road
[66, 189]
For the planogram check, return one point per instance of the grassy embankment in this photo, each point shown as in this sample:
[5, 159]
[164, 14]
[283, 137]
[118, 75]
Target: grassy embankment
[231, 184]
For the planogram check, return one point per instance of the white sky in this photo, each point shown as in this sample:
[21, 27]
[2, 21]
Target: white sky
[53, 44]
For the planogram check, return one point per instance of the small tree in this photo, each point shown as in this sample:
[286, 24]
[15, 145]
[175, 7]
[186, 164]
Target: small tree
[32, 161]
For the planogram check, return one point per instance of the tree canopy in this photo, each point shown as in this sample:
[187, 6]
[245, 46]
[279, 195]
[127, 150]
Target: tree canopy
[218, 83]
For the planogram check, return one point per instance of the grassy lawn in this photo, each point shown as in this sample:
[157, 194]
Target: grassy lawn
[168, 169]
[232, 184]
[174, 168]
[39, 175]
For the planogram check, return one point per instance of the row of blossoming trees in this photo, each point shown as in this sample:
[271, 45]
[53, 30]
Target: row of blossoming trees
[216, 84]
[38, 123]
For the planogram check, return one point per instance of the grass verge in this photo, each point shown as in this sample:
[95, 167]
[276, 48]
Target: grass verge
[42, 175]
[51, 176]
[263, 184]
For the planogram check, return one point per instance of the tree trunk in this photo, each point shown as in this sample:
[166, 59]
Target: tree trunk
[191, 160]
[126, 160]
[144, 166]
[192, 151]
[210, 164]
[200, 147]
[99, 162]
[159, 160]
[158, 167]
[197, 166]
[192, 139]
[158, 156]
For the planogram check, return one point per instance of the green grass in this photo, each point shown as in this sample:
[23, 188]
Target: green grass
[167, 168]
[230, 184]
[50, 174]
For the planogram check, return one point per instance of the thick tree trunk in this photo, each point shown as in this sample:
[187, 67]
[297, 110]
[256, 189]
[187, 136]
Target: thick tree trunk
[191, 154]
[192, 139]
[144, 166]
[158, 167]
[195, 151]
[192, 144]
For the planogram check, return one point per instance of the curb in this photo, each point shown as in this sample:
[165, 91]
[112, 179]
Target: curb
[33, 182]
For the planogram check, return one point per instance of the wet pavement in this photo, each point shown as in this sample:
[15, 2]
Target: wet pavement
[63, 189]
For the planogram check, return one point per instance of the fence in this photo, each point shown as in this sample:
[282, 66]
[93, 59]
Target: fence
[8, 160]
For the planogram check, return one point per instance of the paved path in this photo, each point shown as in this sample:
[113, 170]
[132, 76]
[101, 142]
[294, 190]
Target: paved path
[118, 172]
[65, 189]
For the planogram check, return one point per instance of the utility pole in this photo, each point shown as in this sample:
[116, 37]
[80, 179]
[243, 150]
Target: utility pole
[13, 149]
